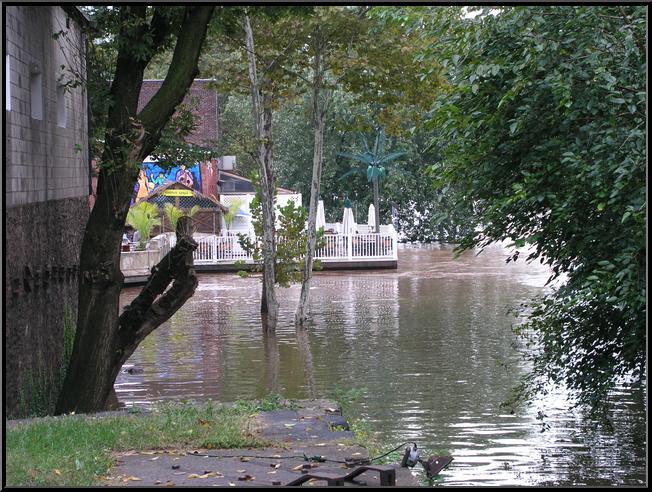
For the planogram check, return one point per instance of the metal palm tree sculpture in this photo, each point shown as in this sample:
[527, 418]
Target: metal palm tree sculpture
[374, 164]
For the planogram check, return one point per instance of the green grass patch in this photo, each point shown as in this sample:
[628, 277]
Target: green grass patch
[267, 404]
[75, 450]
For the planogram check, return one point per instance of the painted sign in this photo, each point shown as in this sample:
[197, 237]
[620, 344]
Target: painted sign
[177, 193]
[152, 175]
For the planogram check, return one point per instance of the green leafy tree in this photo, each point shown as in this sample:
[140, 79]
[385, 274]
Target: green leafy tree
[144, 217]
[421, 211]
[291, 244]
[544, 127]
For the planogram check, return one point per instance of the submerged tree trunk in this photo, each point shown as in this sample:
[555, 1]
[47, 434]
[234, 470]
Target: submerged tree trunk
[317, 162]
[101, 338]
[262, 108]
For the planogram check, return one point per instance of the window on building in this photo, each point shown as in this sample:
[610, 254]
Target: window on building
[7, 83]
[36, 93]
[61, 106]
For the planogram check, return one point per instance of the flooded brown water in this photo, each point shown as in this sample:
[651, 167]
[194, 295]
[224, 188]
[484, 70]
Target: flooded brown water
[430, 343]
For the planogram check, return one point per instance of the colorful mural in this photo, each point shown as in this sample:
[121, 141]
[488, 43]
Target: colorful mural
[152, 176]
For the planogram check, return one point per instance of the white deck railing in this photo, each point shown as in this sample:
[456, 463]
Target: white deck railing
[357, 247]
[336, 247]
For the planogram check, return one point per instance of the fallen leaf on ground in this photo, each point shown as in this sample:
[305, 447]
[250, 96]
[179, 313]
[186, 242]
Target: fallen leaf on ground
[275, 465]
[205, 475]
[289, 425]
[298, 467]
[246, 478]
[154, 458]
[241, 471]
[56, 472]
[203, 423]
[331, 410]
[245, 458]
[271, 473]
[132, 479]
[231, 484]
[169, 484]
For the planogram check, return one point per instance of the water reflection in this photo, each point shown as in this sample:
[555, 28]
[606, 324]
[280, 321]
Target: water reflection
[431, 342]
[303, 344]
[272, 361]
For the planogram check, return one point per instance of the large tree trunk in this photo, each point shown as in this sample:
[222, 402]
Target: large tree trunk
[101, 340]
[262, 108]
[317, 162]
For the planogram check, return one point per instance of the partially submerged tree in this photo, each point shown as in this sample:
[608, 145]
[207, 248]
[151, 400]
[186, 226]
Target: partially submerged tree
[262, 39]
[104, 340]
[347, 50]
[261, 100]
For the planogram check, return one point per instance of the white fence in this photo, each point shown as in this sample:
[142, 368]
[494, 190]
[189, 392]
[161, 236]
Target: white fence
[335, 247]
[357, 247]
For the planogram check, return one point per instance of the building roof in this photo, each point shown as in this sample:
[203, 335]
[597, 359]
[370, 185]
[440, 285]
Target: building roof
[159, 198]
[247, 185]
[78, 14]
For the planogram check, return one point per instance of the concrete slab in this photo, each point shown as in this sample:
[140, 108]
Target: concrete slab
[310, 429]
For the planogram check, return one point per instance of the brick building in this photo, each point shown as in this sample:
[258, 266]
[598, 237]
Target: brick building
[204, 102]
[46, 189]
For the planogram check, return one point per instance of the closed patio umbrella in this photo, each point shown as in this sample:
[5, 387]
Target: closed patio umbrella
[321, 217]
[371, 218]
[348, 222]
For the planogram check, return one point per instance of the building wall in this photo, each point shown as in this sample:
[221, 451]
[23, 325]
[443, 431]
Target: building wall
[202, 99]
[46, 188]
